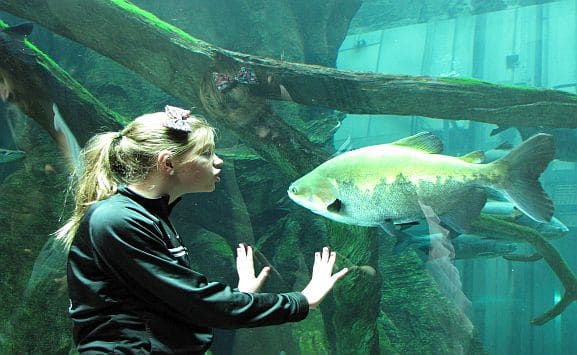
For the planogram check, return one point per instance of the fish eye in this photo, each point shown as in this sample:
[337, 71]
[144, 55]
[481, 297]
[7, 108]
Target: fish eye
[294, 190]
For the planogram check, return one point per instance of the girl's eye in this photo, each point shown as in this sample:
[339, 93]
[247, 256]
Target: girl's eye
[207, 154]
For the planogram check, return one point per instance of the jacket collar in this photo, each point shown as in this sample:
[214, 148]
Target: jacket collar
[158, 206]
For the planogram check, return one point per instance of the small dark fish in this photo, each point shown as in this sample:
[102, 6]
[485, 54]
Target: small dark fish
[12, 38]
[470, 246]
[525, 258]
[465, 246]
[7, 155]
[20, 31]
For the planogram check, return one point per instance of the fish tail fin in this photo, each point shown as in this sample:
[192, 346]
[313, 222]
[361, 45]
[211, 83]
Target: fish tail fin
[525, 164]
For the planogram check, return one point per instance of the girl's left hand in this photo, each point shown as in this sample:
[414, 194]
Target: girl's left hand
[247, 282]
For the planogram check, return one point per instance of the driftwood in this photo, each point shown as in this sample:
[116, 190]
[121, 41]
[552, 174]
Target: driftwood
[182, 65]
[35, 83]
[154, 49]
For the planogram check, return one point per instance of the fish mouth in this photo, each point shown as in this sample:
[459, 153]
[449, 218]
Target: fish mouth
[304, 203]
[291, 192]
[315, 205]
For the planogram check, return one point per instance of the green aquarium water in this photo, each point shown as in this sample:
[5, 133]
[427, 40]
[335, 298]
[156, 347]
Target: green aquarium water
[431, 144]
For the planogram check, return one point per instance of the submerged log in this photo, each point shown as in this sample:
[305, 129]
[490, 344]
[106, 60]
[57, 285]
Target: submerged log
[177, 63]
[182, 65]
[38, 86]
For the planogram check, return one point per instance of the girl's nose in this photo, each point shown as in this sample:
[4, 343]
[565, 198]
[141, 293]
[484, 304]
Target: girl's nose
[217, 161]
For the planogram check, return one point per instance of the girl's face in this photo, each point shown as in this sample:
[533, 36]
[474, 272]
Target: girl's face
[200, 174]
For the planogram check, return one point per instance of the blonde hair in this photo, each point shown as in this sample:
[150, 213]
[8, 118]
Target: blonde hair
[129, 156]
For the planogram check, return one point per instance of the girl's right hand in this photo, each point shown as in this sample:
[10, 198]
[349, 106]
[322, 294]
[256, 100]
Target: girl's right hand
[323, 279]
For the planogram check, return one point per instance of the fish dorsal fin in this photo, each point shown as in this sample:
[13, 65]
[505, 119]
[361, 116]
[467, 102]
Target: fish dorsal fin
[19, 31]
[475, 157]
[423, 141]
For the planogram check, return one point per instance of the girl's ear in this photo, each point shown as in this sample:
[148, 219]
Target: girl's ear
[165, 163]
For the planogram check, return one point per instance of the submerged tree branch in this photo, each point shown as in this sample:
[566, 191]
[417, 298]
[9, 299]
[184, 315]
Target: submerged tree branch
[37, 85]
[552, 257]
[182, 65]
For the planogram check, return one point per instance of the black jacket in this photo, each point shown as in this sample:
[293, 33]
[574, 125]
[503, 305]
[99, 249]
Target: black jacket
[132, 290]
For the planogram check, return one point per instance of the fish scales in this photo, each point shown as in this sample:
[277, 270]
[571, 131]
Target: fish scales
[384, 181]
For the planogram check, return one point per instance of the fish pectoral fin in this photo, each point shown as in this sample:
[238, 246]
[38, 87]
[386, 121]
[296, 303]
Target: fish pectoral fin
[335, 206]
[404, 240]
[389, 228]
[460, 217]
[404, 226]
[423, 141]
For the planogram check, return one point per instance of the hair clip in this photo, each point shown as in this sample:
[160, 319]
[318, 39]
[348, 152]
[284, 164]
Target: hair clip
[176, 119]
[224, 81]
[246, 76]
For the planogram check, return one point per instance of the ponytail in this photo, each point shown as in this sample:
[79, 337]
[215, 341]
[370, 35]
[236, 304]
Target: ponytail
[93, 180]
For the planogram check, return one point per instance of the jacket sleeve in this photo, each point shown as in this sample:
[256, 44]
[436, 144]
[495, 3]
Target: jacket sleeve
[131, 249]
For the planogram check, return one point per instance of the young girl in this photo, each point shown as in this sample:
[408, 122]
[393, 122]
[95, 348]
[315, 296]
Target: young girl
[130, 283]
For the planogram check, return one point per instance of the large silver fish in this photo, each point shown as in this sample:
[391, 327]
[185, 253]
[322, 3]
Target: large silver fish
[386, 185]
